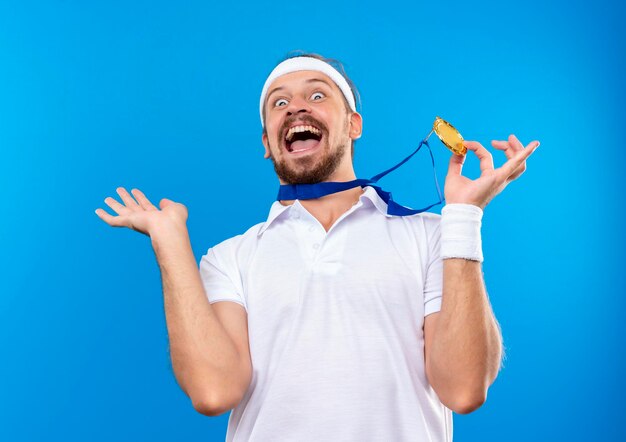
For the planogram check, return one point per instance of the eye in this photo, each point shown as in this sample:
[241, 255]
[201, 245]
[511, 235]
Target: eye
[279, 101]
[315, 94]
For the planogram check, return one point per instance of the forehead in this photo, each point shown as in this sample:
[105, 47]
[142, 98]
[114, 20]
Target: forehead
[297, 79]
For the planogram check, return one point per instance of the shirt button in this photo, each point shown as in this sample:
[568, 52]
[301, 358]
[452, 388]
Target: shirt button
[311, 228]
[316, 246]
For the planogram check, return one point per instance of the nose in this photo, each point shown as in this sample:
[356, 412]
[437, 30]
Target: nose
[298, 105]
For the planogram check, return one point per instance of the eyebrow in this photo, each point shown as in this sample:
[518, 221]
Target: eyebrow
[311, 80]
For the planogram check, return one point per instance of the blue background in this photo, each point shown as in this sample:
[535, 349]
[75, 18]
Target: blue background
[163, 97]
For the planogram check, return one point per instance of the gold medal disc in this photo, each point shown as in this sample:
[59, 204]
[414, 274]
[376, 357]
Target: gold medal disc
[449, 136]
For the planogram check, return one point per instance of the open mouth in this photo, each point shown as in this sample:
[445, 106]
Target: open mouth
[302, 138]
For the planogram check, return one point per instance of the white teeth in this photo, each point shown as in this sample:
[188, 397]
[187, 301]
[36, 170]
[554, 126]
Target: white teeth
[295, 129]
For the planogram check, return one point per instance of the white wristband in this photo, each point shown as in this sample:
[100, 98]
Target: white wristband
[460, 232]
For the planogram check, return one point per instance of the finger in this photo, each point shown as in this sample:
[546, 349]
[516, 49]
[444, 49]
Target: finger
[456, 164]
[522, 167]
[120, 209]
[508, 169]
[509, 148]
[128, 200]
[109, 219]
[517, 172]
[533, 144]
[499, 144]
[515, 143]
[503, 145]
[142, 200]
[486, 160]
[506, 145]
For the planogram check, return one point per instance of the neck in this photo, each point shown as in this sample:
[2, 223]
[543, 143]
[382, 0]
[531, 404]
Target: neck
[338, 176]
[329, 208]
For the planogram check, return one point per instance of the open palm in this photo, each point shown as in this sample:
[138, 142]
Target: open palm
[141, 215]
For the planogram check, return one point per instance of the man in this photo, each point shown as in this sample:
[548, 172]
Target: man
[331, 320]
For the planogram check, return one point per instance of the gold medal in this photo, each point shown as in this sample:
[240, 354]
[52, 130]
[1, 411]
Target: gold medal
[449, 136]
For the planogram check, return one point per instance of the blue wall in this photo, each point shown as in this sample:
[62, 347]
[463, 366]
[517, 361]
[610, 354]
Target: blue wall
[96, 95]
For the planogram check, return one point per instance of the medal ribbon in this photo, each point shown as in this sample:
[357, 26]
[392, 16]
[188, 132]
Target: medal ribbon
[317, 190]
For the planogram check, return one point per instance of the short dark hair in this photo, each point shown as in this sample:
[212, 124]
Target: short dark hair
[339, 67]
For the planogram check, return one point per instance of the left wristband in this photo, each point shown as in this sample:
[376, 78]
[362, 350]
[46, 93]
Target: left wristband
[460, 232]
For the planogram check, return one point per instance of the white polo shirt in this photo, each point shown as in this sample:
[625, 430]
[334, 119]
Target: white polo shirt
[335, 324]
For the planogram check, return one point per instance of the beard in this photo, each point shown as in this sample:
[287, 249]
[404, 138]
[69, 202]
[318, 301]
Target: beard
[310, 169]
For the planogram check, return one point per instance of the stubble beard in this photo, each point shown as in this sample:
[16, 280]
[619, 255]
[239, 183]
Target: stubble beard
[306, 170]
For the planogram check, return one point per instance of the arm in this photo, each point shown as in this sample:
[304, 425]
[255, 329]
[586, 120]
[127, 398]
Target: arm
[463, 343]
[208, 344]
[210, 364]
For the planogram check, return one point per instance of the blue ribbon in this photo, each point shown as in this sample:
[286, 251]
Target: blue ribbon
[317, 190]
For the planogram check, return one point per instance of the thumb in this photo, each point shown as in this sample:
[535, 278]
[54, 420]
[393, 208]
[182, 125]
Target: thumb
[456, 164]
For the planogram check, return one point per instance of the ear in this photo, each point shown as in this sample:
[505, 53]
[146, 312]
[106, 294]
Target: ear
[356, 125]
[266, 144]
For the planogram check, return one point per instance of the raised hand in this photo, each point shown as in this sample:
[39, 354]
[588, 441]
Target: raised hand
[459, 189]
[142, 215]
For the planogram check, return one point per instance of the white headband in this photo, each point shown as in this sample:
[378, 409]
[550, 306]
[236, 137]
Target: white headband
[307, 64]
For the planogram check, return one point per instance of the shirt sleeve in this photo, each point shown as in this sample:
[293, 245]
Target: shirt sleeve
[220, 274]
[433, 286]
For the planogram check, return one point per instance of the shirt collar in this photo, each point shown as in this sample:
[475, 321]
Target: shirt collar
[277, 209]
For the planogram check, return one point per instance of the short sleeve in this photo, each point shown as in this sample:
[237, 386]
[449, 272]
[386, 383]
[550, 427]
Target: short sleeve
[433, 286]
[220, 274]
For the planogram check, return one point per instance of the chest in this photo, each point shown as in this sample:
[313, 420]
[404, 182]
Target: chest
[357, 279]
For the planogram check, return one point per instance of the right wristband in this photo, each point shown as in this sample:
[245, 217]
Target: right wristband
[460, 232]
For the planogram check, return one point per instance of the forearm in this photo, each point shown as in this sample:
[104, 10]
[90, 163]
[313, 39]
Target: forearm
[204, 358]
[467, 347]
